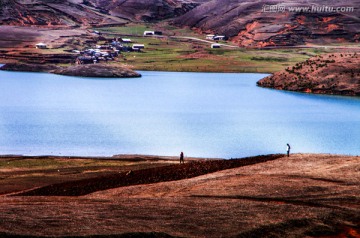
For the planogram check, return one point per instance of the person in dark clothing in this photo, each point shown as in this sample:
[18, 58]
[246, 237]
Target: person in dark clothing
[182, 157]
[288, 150]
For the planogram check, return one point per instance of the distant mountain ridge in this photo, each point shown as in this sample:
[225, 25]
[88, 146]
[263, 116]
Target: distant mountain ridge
[90, 12]
[50, 13]
[247, 23]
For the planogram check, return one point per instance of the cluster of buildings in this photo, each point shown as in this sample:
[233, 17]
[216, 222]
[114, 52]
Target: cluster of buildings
[108, 51]
[92, 56]
[114, 47]
[126, 45]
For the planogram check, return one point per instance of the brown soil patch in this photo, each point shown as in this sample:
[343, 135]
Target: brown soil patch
[145, 176]
[305, 195]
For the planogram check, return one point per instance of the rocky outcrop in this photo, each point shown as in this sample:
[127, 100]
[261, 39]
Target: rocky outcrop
[337, 74]
[90, 70]
[255, 24]
[98, 71]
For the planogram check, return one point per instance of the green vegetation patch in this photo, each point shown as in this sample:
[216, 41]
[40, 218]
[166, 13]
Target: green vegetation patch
[278, 59]
[50, 163]
[129, 29]
[167, 53]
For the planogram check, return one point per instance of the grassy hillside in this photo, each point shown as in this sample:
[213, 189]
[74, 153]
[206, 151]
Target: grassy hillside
[170, 53]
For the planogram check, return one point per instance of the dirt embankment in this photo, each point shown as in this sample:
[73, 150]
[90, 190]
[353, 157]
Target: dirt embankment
[304, 195]
[146, 176]
[90, 70]
[336, 73]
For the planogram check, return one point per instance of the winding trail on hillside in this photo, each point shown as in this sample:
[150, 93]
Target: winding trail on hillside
[202, 40]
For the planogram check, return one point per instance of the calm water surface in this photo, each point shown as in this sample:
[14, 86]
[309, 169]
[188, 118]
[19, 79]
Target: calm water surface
[163, 113]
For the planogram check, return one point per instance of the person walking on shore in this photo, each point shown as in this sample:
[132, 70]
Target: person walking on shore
[288, 150]
[182, 157]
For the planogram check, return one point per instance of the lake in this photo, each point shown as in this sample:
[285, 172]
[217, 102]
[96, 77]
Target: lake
[203, 114]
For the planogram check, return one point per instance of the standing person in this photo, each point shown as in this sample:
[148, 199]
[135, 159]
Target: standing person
[182, 157]
[288, 150]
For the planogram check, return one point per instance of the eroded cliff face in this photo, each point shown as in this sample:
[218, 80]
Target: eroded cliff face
[252, 24]
[337, 73]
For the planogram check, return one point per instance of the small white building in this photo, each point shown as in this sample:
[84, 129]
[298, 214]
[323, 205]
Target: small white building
[149, 33]
[41, 46]
[138, 46]
[126, 40]
[215, 46]
[218, 37]
[209, 37]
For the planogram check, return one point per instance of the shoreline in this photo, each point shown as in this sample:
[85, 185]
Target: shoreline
[45, 70]
[78, 70]
[102, 71]
[139, 157]
[127, 157]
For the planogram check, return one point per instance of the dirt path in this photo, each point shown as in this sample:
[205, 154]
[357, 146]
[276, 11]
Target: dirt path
[202, 40]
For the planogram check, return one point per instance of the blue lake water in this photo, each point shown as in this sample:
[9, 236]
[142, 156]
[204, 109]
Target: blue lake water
[163, 113]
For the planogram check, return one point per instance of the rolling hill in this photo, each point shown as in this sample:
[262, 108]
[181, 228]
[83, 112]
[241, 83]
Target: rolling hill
[89, 12]
[247, 23]
[50, 13]
[255, 24]
[336, 73]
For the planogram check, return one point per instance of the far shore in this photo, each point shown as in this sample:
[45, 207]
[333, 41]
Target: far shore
[128, 157]
[118, 71]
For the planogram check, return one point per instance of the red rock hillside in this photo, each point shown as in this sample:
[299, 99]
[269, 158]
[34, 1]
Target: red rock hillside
[337, 73]
[253, 24]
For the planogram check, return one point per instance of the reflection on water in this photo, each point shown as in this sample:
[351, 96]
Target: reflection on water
[202, 114]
